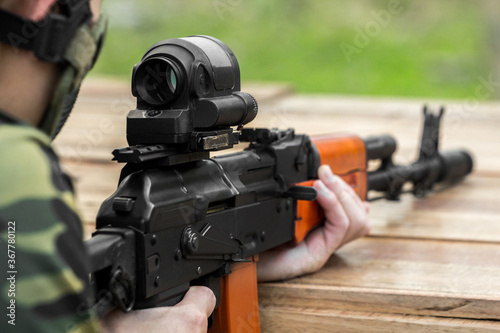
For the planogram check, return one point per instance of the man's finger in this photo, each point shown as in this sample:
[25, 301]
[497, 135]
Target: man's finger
[329, 202]
[353, 207]
[337, 221]
[202, 298]
[332, 181]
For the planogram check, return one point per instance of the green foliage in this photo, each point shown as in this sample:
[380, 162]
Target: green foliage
[425, 48]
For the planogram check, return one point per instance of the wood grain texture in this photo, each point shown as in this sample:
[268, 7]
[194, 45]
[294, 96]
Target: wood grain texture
[294, 320]
[469, 212]
[419, 277]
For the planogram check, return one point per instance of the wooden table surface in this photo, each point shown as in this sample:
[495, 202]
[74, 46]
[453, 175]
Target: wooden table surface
[428, 265]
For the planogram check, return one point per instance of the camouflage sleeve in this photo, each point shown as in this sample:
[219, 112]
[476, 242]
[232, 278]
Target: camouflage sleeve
[43, 264]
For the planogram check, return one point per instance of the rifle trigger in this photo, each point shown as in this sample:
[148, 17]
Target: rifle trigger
[297, 192]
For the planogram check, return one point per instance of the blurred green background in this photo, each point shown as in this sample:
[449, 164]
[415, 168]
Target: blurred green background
[422, 48]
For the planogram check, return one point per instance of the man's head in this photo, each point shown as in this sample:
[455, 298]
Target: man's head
[42, 66]
[16, 65]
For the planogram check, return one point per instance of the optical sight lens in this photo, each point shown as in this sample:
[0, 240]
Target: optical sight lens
[156, 81]
[172, 81]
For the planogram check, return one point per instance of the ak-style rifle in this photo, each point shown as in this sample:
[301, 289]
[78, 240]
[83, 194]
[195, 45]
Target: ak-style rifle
[180, 218]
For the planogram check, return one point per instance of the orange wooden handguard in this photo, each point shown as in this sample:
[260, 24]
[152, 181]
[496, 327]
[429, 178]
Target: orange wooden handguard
[238, 309]
[346, 155]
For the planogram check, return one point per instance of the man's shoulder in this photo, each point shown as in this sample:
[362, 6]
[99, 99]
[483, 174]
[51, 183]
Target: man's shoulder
[30, 168]
[36, 196]
[18, 133]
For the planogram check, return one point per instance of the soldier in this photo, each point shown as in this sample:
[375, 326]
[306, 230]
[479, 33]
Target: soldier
[46, 284]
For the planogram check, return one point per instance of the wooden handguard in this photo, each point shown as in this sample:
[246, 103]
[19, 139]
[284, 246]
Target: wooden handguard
[346, 155]
[238, 310]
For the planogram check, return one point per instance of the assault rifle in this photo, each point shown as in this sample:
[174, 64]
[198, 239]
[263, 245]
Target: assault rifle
[180, 218]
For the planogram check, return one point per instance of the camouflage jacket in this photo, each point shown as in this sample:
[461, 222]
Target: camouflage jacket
[43, 264]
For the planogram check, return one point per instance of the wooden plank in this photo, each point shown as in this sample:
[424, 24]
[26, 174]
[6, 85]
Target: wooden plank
[376, 301]
[388, 107]
[469, 212]
[97, 126]
[82, 138]
[477, 136]
[420, 277]
[276, 319]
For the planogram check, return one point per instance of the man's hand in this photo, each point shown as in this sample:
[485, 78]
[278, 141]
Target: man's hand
[346, 218]
[190, 315]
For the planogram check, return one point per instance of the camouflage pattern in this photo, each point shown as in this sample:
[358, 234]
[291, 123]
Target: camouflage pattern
[50, 264]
